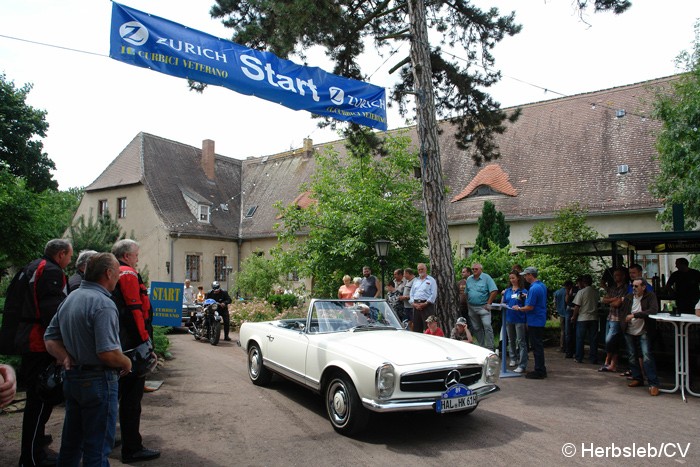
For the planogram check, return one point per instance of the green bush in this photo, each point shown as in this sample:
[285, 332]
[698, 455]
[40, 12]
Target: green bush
[161, 343]
[283, 302]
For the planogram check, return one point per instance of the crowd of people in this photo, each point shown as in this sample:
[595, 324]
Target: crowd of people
[413, 298]
[623, 292]
[96, 327]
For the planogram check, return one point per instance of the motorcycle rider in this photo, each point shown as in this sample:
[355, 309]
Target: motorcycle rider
[223, 299]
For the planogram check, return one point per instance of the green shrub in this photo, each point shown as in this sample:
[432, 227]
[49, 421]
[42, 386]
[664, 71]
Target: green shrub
[283, 302]
[160, 339]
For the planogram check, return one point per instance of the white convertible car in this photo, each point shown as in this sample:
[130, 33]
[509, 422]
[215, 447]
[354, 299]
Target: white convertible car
[357, 355]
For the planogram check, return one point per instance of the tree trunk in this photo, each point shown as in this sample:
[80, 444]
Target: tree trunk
[439, 245]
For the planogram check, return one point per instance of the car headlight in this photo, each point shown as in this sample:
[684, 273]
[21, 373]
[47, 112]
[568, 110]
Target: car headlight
[492, 368]
[385, 380]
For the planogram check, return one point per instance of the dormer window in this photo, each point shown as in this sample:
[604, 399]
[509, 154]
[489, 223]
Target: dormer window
[483, 190]
[204, 213]
[490, 181]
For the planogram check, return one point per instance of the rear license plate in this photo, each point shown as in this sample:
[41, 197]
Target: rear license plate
[457, 397]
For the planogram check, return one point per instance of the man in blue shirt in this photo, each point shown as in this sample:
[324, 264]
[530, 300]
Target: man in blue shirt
[423, 297]
[536, 308]
[83, 336]
[481, 292]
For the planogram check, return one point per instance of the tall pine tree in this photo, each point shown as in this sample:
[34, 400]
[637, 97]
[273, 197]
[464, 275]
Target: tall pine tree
[433, 82]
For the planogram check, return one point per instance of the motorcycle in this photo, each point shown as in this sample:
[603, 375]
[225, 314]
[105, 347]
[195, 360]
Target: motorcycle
[205, 322]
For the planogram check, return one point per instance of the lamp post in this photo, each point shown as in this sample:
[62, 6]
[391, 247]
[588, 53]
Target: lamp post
[381, 247]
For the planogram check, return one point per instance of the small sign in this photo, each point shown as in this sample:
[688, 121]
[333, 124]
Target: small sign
[166, 303]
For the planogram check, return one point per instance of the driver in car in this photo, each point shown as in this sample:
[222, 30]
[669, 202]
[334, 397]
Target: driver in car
[364, 315]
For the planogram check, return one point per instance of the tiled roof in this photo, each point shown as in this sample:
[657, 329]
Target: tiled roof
[304, 200]
[167, 170]
[126, 169]
[558, 152]
[567, 150]
[269, 180]
[491, 176]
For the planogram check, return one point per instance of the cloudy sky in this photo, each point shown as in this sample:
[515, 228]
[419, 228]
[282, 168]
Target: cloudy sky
[97, 105]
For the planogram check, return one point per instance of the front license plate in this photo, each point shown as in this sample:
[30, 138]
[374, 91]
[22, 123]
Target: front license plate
[458, 397]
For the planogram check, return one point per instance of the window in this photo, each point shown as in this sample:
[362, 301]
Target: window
[484, 190]
[251, 211]
[220, 268]
[102, 207]
[467, 251]
[192, 269]
[121, 208]
[203, 213]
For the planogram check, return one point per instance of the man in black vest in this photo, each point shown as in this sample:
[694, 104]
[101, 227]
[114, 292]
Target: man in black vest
[45, 289]
[131, 297]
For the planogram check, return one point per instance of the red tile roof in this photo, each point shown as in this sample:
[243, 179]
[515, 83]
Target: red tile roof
[304, 200]
[492, 176]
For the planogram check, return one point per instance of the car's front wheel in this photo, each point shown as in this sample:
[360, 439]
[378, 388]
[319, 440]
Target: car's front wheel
[259, 375]
[345, 410]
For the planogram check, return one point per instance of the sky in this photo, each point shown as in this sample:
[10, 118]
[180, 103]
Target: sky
[97, 105]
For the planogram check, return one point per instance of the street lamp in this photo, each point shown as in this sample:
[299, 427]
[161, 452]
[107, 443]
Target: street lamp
[381, 247]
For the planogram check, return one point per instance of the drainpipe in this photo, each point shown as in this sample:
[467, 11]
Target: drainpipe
[172, 255]
[238, 258]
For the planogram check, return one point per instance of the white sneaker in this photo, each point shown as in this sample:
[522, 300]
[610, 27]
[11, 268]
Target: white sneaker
[519, 370]
[512, 362]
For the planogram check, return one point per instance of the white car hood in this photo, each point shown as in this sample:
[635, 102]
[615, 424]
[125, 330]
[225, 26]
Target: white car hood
[405, 347]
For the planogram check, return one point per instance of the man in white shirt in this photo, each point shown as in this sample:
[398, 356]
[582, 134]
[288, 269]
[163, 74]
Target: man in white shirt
[423, 297]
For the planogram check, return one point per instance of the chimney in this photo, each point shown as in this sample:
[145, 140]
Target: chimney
[308, 146]
[208, 158]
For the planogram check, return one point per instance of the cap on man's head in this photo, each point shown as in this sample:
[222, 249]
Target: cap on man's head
[529, 270]
[431, 319]
[462, 321]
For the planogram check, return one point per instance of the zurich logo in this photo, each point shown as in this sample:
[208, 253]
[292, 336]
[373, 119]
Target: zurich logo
[453, 377]
[337, 95]
[134, 33]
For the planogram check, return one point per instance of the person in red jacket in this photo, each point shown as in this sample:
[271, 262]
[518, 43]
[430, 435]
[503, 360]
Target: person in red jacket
[44, 288]
[131, 297]
[433, 328]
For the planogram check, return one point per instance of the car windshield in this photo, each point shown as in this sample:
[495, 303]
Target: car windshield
[344, 315]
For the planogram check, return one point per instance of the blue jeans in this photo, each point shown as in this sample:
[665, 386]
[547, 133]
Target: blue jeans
[480, 318]
[536, 334]
[91, 417]
[517, 335]
[612, 336]
[587, 330]
[643, 344]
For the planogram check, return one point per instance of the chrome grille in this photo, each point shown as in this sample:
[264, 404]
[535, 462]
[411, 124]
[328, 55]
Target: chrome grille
[434, 380]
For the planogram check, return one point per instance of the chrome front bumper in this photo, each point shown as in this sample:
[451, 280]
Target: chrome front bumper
[425, 403]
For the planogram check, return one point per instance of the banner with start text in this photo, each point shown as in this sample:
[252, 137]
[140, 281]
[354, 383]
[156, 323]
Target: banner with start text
[162, 45]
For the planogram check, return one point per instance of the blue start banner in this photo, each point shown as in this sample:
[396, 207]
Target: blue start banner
[151, 42]
[166, 303]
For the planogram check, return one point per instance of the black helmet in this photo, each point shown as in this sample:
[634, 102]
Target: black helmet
[215, 285]
[143, 361]
[50, 387]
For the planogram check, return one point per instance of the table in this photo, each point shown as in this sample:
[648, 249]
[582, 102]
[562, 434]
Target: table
[505, 372]
[682, 359]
